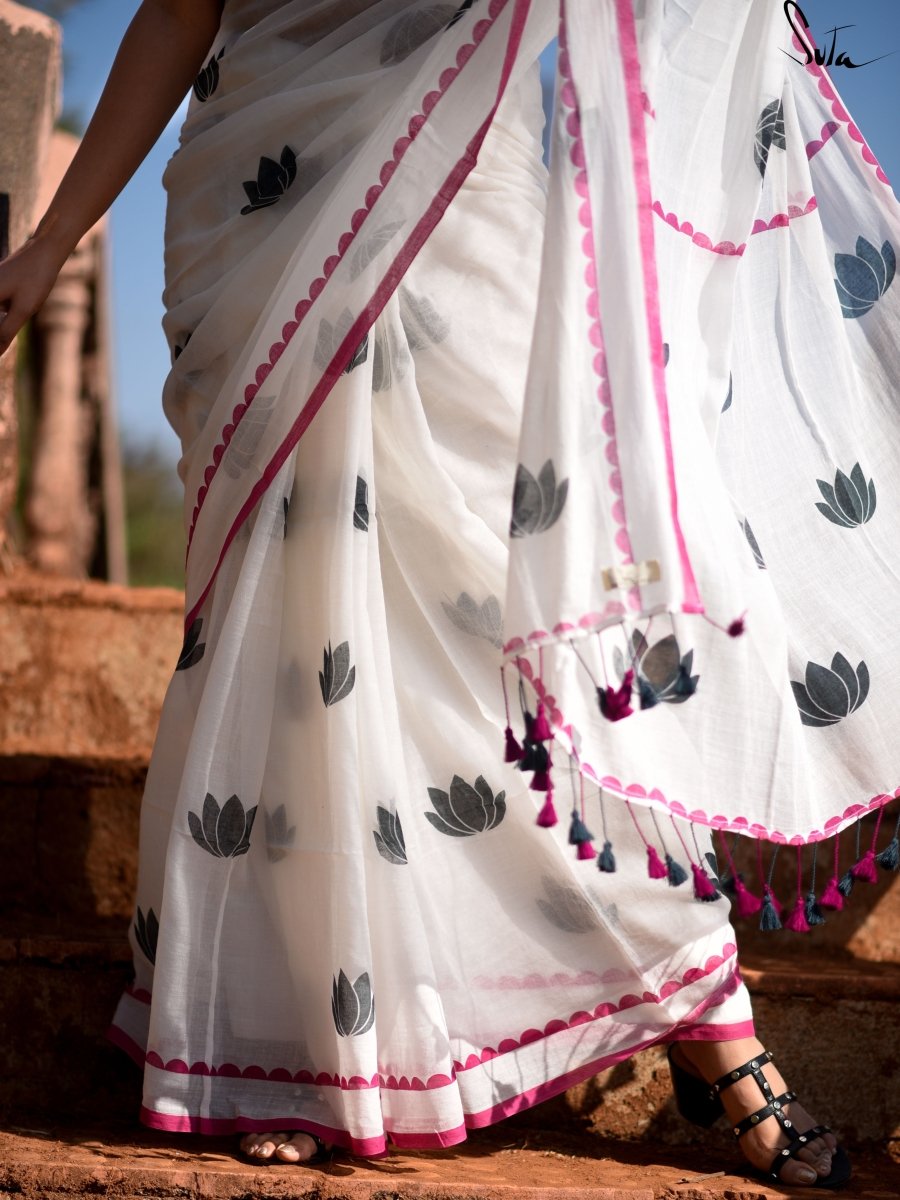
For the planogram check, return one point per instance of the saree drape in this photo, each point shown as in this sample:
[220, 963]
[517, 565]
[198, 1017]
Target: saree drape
[443, 412]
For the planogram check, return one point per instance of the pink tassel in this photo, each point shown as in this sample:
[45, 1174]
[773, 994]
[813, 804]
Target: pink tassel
[703, 888]
[656, 869]
[737, 627]
[797, 920]
[831, 897]
[541, 731]
[865, 868]
[540, 781]
[586, 850]
[615, 703]
[513, 750]
[547, 817]
[746, 904]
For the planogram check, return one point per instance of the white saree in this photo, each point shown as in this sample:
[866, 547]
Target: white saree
[674, 357]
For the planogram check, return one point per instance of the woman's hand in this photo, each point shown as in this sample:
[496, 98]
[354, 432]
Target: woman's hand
[26, 278]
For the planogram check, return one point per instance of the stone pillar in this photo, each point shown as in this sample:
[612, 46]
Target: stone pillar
[29, 100]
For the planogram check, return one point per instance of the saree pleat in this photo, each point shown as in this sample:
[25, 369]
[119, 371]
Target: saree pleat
[347, 920]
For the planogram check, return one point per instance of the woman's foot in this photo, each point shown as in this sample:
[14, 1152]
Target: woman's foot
[712, 1060]
[286, 1147]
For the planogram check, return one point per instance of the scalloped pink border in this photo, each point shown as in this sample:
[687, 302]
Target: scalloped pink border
[705, 242]
[359, 328]
[177, 1066]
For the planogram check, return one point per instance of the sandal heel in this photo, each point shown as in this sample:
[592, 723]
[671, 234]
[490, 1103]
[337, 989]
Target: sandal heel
[693, 1098]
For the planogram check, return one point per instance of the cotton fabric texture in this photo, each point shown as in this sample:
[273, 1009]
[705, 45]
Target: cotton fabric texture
[441, 411]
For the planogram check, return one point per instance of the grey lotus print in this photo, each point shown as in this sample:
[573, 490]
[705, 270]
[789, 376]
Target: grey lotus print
[413, 30]
[769, 133]
[537, 503]
[272, 180]
[247, 435]
[352, 1005]
[279, 838]
[361, 505]
[864, 277]
[479, 620]
[146, 932]
[422, 323]
[753, 544]
[337, 677]
[730, 397]
[223, 832]
[850, 500]
[831, 694]
[329, 339]
[466, 810]
[389, 836]
[663, 674]
[566, 908]
[390, 359]
[193, 649]
[372, 246]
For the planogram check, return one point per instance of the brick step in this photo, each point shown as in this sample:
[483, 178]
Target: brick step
[63, 1161]
[823, 1018]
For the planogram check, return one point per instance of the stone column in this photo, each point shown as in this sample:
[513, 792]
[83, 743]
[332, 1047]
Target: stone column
[29, 100]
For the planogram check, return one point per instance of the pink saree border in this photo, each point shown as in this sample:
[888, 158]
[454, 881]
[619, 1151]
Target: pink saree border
[390, 1082]
[704, 241]
[385, 289]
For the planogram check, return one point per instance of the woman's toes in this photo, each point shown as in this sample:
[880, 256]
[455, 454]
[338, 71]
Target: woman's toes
[261, 1145]
[296, 1148]
[799, 1172]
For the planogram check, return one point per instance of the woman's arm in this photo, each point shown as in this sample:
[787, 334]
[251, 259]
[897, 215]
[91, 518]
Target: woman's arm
[161, 53]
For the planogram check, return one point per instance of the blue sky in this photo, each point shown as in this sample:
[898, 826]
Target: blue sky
[91, 35]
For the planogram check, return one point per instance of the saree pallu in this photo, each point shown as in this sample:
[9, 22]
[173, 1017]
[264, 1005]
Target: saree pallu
[347, 919]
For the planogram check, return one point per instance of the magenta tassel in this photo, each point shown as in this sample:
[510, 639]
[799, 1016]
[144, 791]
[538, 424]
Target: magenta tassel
[540, 781]
[586, 850]
[703, 888]
[547, 817]
[746, 904]
[797, 920]
[513, 750]
[541, 731]
[865, 868]
[615, 703]
[736, 628]
[656, 869]
[831, 897]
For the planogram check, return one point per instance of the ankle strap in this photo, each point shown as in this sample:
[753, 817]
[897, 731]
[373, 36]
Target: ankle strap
[753, 1067]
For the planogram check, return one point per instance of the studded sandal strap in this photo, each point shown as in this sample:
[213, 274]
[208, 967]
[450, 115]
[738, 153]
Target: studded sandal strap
[775, 1108]
[797, 1144]
[753, 1067]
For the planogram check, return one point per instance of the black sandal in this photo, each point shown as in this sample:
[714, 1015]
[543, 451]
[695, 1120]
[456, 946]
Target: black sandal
[701, 1103]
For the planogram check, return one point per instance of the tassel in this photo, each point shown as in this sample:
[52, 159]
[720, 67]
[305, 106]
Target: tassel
[514, 751]
[606, 860]
[813, 913]
[728, 883]
[865, 868]
[655, 867]
[541, 781]
[615, 704]
[846, 882]
[535, 756]
[578, 831]
[703, 887]
[797, 920]
[586, 850]
[769, 918]
[889, 858]
[746, 904]
[675, 871]
[647, 693]
[541, 731]
[737, 627]
[547, 817]
[832, 897]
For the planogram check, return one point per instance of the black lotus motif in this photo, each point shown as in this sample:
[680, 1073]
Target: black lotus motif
[146, 932]
[272, 180]
[537, 503]
[769, 133]
[286, 505]
[208, 79]
[361, 506]
[753, 544]
[352, 1005]
[337, 677]
[466, 810]
[566, 908]
[460, 12]
[730, 397]
[422, 323]
[831, 694]
[193, 649]
[223, 832]
[279, 838]
[389, 837]
[850, 502]
[413, 31]
[663, 675]
[864, 277]
[479, 620]
[665, 354]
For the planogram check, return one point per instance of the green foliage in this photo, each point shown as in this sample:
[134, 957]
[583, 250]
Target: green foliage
[154, 525]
